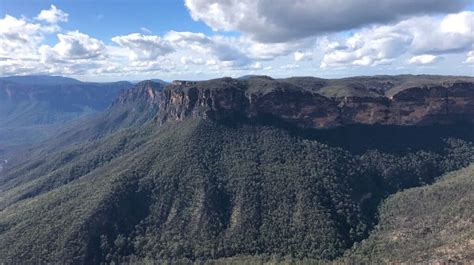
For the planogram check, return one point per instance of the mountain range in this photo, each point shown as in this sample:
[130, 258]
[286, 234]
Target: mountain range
[248, 170]
[32, 108]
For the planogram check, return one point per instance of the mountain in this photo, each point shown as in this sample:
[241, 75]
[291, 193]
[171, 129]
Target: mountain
[257, 168]
[34, 107]
[155, 80]
[41, 80]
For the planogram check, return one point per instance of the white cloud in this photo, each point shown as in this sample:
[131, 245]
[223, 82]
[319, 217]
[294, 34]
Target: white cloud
[241, 51]
[368, 47]
[424, 59]
[22, 46]
[144, 47]
[19, 41]
[269, 51]
[256, 66]
[192, 61]
[470, 58]
[53, 15]
[453, 33]
[284, 20]
[418, 36]
[77, 45]
[223, 49]
[19, 38]
[302, 56]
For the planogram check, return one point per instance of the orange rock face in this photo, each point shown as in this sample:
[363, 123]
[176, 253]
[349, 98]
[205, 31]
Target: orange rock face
[229, 98]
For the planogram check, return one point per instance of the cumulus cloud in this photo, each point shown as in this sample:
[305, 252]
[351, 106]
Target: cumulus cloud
[191, 39]
[302, 56]
[470, 58]
[53, 15]
[77, 45]
[424, 59]
[76, 53]
[19, 37]
[418, 36]
[368, 47]
[234, 52]
[454, 33]
[223, 49]
[284, 20]
[144, 47]
[269, 51]
[24, 52]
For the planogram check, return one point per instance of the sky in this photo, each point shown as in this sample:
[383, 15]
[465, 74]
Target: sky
[108, 40]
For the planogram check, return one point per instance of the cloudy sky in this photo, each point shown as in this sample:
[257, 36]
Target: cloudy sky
[199, 39]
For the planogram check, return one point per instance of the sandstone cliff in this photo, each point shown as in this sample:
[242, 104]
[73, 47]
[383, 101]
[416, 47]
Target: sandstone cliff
[319, 103]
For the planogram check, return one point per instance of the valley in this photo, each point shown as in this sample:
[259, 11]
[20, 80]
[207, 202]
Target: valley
[251, 170]
[33, 108]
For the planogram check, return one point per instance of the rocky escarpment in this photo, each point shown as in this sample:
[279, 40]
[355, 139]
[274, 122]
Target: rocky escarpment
[423, 103]
[147, 92]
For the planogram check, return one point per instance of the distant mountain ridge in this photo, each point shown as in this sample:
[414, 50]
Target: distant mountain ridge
[156, 80]
[41, 80]
[32, 106]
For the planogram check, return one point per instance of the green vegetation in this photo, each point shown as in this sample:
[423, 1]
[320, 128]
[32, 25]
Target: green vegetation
[431, 223]
[370, 86]
[200, 190]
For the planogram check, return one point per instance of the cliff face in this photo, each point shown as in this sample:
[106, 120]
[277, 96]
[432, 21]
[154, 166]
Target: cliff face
[423, 104]
[146, 92]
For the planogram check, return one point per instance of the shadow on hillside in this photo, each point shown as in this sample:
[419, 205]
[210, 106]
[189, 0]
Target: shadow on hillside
[359, 138]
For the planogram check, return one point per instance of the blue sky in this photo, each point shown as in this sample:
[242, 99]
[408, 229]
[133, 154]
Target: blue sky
[198, 39]
[107, 18]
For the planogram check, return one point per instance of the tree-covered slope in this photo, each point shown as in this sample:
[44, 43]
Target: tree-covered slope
[132, 108]
[199, 189]
[433, 223]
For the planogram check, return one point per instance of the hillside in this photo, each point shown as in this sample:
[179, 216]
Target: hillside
[133, 107]
[430, 223]
[233, 190]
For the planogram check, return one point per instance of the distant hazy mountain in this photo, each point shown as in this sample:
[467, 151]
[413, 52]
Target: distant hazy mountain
[152, 80]
[31, 106]
[41, 80]
[262, 169]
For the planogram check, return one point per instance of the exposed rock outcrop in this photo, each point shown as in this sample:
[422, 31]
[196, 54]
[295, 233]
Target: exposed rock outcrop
[303, 104]
[144, 92]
